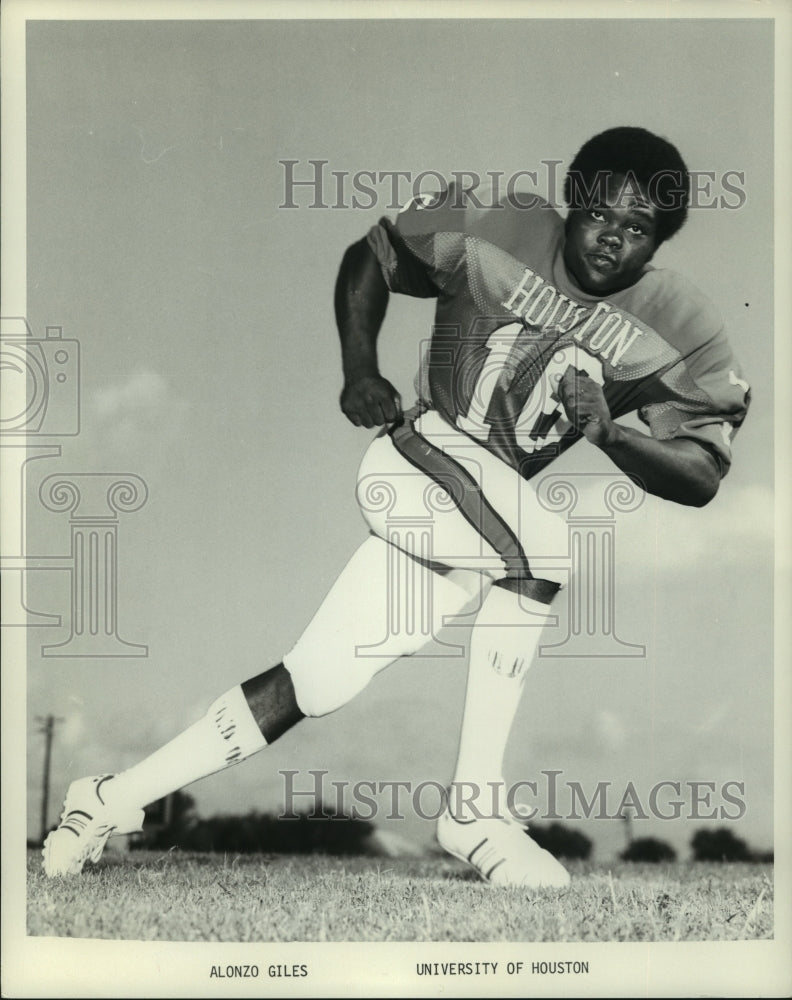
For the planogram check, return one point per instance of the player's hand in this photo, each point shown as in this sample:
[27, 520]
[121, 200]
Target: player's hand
[370, 401]
[586, 406]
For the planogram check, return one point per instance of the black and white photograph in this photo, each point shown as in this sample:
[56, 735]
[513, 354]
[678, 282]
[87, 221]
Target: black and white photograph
[395, 522]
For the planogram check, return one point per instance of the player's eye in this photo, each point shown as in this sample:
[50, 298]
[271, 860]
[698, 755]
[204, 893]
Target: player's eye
[597, 215]
[636, 230]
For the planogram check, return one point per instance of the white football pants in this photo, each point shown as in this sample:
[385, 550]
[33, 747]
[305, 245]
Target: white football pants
[441, 536]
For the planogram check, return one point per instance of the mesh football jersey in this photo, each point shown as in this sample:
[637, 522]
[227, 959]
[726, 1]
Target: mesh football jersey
[510, 319]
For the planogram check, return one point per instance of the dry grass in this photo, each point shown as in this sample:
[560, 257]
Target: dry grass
[194, 897]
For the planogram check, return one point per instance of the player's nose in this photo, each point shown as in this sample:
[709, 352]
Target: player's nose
[610, 238]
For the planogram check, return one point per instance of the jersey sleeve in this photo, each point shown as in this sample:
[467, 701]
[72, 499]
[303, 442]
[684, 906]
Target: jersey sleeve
[406, 267]
[421, 250]
[703, 394]
[426, 250]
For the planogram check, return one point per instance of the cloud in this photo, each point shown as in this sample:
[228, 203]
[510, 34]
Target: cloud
[610, 731]
[737, 526]
[73, 731]
[141, 414]
[717, 718]
[143, 391]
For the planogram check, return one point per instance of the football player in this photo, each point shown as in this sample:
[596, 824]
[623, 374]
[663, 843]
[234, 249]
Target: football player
[546, 331]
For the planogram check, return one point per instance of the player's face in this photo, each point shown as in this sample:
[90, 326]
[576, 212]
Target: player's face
[608, 245]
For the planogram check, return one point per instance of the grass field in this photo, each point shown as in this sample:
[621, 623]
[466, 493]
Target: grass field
[204, 897]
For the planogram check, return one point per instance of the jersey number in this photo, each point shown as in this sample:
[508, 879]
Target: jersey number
[542, 415]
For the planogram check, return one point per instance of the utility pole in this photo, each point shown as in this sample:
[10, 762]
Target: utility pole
[48, 729]
[628, 827]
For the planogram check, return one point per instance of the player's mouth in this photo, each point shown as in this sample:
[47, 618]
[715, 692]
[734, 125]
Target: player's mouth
[602, 261]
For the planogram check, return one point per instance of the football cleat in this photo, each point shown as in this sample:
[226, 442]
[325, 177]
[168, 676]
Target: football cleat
[87, 822]
[501, 852]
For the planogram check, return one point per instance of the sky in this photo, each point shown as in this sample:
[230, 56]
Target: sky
[209, 368]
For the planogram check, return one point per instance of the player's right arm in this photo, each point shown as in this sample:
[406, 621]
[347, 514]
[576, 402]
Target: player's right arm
[361, 299]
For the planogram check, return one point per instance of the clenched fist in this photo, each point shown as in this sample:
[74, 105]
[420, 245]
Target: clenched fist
[585, 406]
[370, 400]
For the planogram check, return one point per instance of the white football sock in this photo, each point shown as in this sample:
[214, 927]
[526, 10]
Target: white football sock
[503, 643]
[226, 735]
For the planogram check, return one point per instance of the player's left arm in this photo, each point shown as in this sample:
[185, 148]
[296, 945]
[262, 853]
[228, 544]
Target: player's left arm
[679, 469]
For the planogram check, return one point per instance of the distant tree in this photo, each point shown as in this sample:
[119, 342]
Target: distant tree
[719, 845]
[560, 841]
[648, 849]
[254, 832]
[167, 822]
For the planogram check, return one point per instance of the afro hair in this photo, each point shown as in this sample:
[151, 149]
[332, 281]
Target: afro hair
[639, 155]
